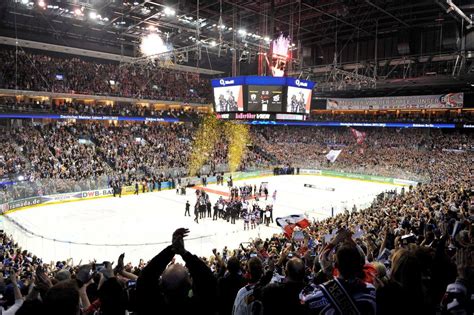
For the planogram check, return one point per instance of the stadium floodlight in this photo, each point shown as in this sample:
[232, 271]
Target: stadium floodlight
[153, 44]
[41, 3]
[242, 32]
[92, 15]
[169, 11]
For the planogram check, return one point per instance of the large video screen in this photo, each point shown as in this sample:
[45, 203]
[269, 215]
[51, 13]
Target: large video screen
[298, 100]
[229, 98]
[262, 98]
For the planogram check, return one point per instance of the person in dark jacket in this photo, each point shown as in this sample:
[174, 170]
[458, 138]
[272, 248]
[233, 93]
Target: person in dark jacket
[181, 290]
[286, 293]
[229, 285]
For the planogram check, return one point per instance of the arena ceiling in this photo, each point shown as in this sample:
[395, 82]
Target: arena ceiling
[327, 34]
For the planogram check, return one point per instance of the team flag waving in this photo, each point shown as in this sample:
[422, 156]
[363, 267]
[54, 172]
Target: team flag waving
[359, 135]
[289, 223]
[332, 155]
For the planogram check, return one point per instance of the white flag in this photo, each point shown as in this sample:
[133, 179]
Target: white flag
[332, 155]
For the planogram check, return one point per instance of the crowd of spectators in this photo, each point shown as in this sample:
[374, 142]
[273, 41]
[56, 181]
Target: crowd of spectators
[390, 152]
[407, 253]
[76, 108]
[63, 157]
[419, 116]
[38, 72]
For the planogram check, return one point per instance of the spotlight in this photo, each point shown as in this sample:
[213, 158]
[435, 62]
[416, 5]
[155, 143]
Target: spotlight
[242, 32]
[266, 38]
[153, 44]
[92, 15]
[213, 43]
[169, 11]
[41, 3]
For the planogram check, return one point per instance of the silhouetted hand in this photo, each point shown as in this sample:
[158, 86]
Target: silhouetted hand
[178, 241]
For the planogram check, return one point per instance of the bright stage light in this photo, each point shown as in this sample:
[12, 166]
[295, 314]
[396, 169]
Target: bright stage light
[41, 3]
[21, 178]
[266, 38]
[78, 12]
[242, 32]
[25, 1]
[153, 44]
[169, 11]
[213, 43]
[93, 15]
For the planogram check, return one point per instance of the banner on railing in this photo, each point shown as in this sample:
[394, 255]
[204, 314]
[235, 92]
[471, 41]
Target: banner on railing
[445, 101]
[22, 203]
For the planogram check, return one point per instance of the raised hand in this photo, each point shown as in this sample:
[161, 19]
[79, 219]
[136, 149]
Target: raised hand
[178, 240]
[118, 269]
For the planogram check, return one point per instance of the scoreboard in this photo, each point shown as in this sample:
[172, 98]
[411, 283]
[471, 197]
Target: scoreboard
[258, 94]
[262, 98]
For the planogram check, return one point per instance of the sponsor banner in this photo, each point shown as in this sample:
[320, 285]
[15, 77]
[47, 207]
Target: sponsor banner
[290, 117]
[3, 207]
[264, 117]
[88, 117]
[309, 171]
[468, 126]
[96, 193]
[358, 176]
[77, 195]
[61, 197]
[302, 84]
[23, 203]
[451, 100]
[349, 124]
[403, 182]
[228, 81]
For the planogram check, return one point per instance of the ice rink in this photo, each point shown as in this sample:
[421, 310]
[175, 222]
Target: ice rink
[142, 225]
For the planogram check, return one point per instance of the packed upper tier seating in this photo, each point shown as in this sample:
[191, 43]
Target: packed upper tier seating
[35, 71]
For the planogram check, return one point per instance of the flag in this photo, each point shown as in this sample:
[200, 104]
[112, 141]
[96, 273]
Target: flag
[359, 135]
[289, 223]
[332, 155]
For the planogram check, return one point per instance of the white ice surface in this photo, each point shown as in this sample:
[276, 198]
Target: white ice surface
[142, 225]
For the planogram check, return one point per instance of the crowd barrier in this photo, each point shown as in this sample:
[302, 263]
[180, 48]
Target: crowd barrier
[43, 200]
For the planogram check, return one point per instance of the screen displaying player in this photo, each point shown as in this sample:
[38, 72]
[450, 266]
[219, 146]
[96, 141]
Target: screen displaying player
[298, 100]
[263, 98]
[229, 99]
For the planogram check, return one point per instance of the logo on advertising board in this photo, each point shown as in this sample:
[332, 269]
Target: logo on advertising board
[223, 116]
[24, 203]
[245, 116]
[97, 193]
[289, 117]
[224, 82]
[263, 116]
[298, 83]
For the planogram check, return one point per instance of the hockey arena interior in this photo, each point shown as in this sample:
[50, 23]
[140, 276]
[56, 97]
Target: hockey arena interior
[236, 157]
